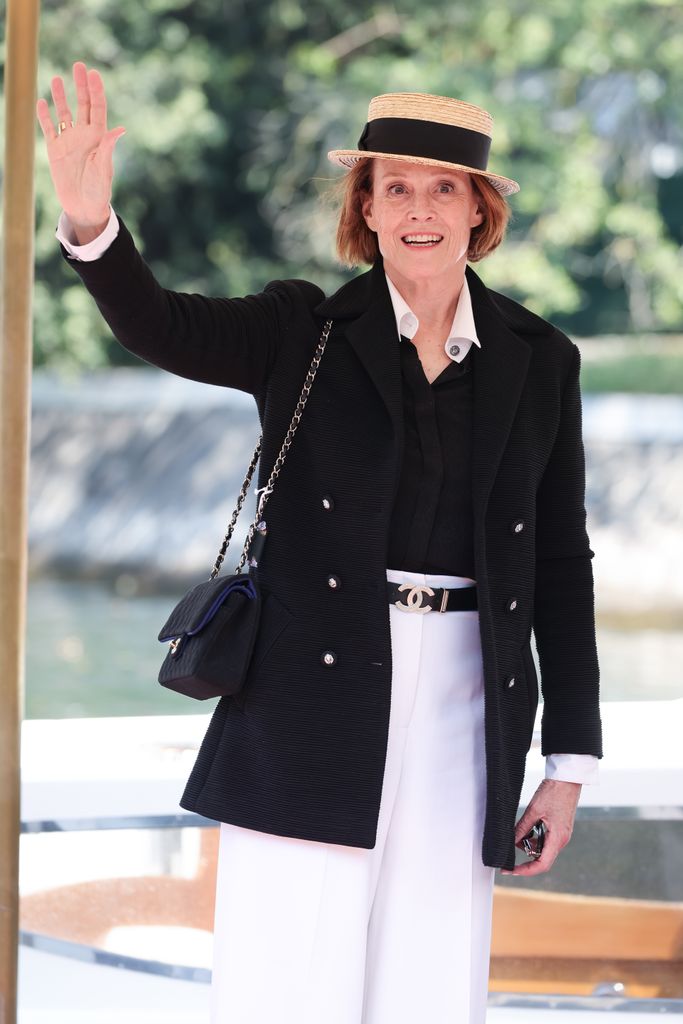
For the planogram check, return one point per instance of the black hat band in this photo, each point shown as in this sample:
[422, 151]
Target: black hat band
[428, 139]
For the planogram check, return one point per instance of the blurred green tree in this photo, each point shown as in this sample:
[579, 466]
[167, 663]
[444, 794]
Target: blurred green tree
[231, 107]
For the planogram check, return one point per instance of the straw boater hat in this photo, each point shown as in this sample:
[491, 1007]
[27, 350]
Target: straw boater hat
[424, 129]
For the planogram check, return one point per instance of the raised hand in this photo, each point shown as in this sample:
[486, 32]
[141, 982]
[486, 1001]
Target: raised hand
[81, 156]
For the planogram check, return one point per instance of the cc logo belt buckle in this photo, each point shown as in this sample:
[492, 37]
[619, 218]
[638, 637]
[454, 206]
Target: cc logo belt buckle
[414, 599]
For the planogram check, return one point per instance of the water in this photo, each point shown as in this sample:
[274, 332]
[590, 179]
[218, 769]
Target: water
[93, 652]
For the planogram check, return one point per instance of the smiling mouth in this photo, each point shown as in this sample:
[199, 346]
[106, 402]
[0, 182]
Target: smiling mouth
[421, 241]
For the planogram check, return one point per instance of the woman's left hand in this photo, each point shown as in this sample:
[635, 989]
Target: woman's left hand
[554, 803]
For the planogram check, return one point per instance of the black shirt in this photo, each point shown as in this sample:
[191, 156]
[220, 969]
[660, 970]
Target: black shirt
[431, 528]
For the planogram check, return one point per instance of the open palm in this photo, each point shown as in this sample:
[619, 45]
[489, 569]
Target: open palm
[81, 156]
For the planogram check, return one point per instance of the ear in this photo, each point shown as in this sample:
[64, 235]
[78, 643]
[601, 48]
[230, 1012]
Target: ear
[477, 216]
[366, 209]
[479, 213]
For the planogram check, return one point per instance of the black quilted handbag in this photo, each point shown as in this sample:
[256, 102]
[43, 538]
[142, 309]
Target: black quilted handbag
[212, 630]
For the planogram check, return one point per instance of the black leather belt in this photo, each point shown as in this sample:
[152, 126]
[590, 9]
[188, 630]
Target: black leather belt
[416, 597]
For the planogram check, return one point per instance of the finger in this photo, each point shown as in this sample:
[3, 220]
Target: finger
[532, 867]
[528, 819]
[537, 865]
[82, 93]
[98, 100]
[59, 97]
[43, 113]
[521, 829]
[110, 139]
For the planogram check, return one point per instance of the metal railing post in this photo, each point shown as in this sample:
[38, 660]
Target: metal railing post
[15, 405]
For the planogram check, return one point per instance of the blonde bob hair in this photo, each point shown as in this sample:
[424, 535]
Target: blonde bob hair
[357, 244]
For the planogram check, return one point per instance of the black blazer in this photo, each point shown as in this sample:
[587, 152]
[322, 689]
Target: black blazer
[301, 750]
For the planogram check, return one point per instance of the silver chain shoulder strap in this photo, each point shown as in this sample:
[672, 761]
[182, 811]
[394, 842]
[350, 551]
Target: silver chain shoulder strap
[267, 490]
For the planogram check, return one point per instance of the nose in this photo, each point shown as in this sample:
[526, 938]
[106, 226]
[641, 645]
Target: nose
[421, 207]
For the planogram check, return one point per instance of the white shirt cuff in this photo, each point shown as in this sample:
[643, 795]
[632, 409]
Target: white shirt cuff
[91, 250]
[572, 768]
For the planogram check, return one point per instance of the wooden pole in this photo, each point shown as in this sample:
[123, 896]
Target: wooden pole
[15, 404]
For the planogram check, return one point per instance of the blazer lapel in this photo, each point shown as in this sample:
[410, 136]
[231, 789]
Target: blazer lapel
[499, 367]
[368, 323]
[499, 370]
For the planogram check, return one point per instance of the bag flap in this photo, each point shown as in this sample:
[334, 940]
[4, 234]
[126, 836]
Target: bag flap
[201, 603]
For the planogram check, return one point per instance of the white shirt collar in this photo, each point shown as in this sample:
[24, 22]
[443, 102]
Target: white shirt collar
[462, 333]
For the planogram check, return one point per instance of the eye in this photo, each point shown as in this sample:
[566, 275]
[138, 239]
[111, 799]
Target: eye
[446, 186]
[397, 185]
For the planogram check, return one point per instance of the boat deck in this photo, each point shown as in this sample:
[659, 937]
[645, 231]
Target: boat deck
[137, 769]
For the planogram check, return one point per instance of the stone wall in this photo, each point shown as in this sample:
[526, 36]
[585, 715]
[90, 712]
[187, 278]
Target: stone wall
[135, 473]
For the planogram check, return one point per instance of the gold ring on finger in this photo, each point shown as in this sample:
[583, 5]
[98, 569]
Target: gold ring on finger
[62, 125]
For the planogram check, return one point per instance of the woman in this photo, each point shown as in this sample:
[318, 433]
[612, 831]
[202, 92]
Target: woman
[430, 513]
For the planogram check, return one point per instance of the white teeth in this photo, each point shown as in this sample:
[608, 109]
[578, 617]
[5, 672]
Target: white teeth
[422, 238]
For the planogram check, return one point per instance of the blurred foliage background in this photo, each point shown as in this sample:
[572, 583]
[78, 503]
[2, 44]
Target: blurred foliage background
[230, 108]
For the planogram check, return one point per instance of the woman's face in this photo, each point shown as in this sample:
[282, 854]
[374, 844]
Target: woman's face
[411, 200]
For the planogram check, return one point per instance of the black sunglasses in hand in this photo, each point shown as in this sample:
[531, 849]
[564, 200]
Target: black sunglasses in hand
[532, 842]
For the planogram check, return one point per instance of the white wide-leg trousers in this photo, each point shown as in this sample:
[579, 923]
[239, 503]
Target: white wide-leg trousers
[317, 933]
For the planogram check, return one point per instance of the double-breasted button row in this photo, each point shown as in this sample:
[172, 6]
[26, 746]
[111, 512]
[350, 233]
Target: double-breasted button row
[511, 605]
[329, 658]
